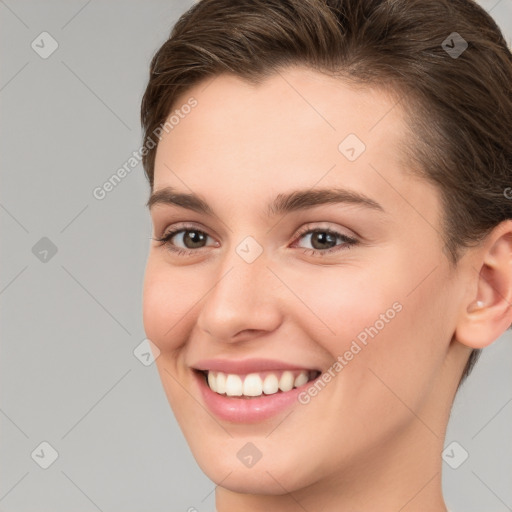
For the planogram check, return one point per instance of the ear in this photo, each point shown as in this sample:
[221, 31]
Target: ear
[487, 314]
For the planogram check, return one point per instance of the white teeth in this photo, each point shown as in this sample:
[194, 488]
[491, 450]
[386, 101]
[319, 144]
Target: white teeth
[286, 381]
[220, 382]
[270, 384]
[253, 385]
[212, 382]
[233, 385]
[300, 380]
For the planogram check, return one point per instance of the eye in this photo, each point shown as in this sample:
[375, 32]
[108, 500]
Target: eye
[324, 241]
[189, 236]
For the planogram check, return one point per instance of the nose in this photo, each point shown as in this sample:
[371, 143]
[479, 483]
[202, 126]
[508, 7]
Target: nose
[242, 302]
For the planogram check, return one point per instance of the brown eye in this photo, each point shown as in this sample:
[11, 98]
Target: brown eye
[325, 241]
[322, 240]
[192, 239]
[184, 240]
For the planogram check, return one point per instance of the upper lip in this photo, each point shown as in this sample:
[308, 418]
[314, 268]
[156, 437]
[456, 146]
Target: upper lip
[244, 366]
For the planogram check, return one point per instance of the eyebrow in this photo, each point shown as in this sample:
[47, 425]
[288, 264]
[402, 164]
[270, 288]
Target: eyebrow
[283, 203]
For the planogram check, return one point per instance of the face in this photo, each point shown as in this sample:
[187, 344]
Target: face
[302, 254]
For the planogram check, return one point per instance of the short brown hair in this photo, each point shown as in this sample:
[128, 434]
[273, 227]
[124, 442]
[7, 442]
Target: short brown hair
[458, 107]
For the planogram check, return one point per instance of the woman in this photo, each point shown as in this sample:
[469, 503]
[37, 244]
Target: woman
[332, 241]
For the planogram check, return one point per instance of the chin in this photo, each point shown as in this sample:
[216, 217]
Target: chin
[277, 476]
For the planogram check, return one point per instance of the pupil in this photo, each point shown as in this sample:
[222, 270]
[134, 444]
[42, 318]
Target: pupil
[323, 238]
[194, 237]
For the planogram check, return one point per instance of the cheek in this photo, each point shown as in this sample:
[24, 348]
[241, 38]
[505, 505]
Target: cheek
[169, 296]
[343, 304]
[405, 348]
[376, 319]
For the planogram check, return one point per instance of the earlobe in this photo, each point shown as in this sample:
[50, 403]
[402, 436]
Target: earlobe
[488, 313]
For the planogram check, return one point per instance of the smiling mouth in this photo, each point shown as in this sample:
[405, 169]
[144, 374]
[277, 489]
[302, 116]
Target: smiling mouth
[254, 385]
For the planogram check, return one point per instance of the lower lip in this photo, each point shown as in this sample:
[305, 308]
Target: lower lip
[247, 410]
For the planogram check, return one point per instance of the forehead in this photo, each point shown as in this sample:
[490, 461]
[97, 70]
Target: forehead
[297, 128]
[290, 114]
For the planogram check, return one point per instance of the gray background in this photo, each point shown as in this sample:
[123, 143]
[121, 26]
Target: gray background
[69, 325]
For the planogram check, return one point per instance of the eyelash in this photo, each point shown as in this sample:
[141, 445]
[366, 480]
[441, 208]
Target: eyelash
[348, 241]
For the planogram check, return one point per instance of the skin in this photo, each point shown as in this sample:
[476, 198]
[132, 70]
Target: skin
[371, 440]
